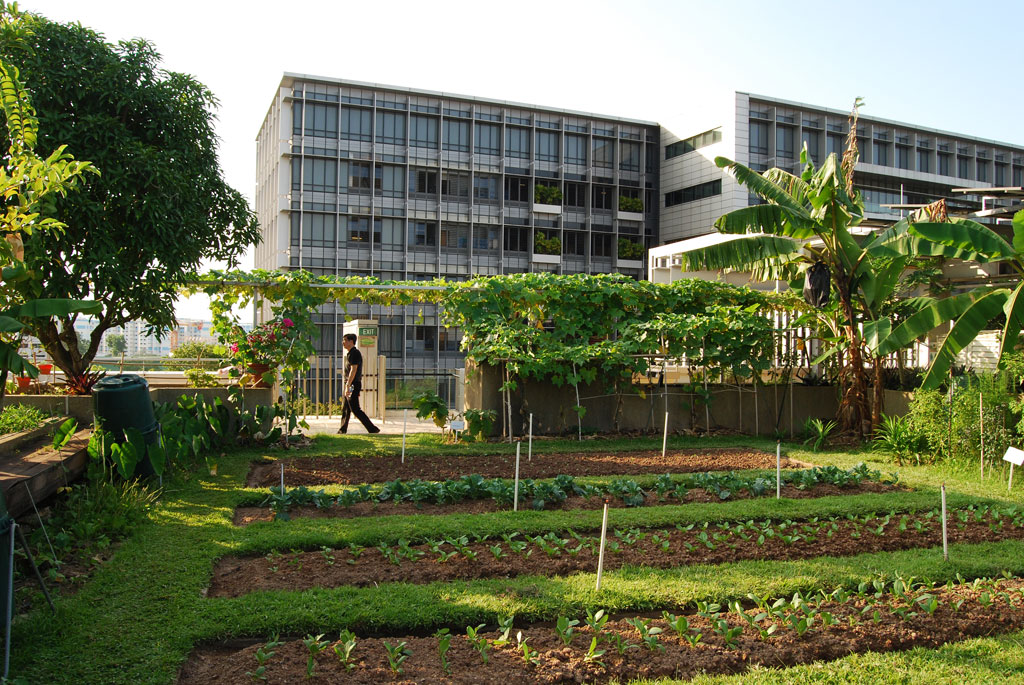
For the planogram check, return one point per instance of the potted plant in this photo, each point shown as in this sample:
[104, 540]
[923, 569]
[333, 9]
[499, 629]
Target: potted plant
[263, 350]
[45, 369]
[24, 383]
[630, 250]
[546, 246]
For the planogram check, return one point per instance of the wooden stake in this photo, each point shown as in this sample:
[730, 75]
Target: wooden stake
[604, 536]
[664, 436]
[778, 469]
[515, 491]
[529, 447]
[945, 538]
[405, 423]
[981, 427]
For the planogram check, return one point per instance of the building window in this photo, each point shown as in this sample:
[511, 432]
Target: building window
[517, 239]
[784, 142]
[359, 230]
[944, 164]
[547, 146]
[880, 153]
[317, 175]
[902, 157]
[809, 139]
[485, 188]
[576, 150]
[455, 186]
[1000, 180]
[422, 234]
[456, 135]
[388, 232]
[318, 230]
[1018, 176]
[422, 131]
[359, 177]
[321, 120]
[485, 239]
[602, 198]
[982, 168]
[629, 156]
[924, 161]
[574, 243]
[355, 124]
[422, 182]
[391, 128]
[601, 245]
[517, 142]
[836, 145]
[962, 165]
[758, 138]
[517, 189]
[604, 153]
[487, 139]
[575, 195]
[454, 236]
[388, 181]
[420, 339]
[693, 193]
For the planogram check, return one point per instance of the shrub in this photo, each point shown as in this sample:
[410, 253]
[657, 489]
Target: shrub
[897, 436]
[200, 378]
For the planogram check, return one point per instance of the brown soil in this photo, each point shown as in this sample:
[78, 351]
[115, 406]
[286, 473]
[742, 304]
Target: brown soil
[355, 470]
[861, 625]
[236, 576]
[246, 515]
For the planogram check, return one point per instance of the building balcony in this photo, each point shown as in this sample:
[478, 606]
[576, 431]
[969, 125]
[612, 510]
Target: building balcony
[631, 216]
[545, 258]
[546, 209]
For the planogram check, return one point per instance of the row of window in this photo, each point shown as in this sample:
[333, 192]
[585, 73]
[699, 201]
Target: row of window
[520, 143]
[333, 176]
[321, 230]
[693, 143]
[693, 193]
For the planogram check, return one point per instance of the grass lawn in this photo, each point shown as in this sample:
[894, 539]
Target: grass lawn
[139, 616]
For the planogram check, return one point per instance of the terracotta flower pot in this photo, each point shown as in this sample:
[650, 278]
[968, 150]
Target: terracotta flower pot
[257, 371]
[24, 382]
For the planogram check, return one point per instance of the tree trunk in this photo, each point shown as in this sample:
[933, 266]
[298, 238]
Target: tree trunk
[878, 401]
[854, 406]
[60, 341]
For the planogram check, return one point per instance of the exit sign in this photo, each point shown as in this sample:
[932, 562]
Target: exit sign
[367, 330]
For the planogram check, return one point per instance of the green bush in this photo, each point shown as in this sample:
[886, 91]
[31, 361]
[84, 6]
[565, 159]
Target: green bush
[547, 195]
[430, 405]
[19, 417]
[544, 245]
[629, 249]
[897, 437]
[630, 204]
[200, 378]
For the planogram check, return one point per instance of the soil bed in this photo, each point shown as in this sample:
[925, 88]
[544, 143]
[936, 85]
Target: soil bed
[246, 515]
[555, 555]
[862, 623]
[356, 470]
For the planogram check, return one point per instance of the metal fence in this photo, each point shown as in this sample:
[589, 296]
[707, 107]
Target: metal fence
[402, 385]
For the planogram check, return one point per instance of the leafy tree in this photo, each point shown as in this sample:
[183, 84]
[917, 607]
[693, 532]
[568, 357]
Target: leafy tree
[117, 343]
[29, 183]
[196, 349]
[159, 206]
[808, 224]
[975, 310]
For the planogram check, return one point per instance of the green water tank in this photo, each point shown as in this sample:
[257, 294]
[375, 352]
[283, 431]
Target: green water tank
[123, 401]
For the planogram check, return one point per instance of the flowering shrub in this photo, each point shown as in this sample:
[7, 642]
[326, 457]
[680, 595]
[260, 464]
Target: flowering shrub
[272, 344]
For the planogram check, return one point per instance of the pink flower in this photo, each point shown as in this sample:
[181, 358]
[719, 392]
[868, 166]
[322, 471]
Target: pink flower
[234, 347]
[287, 323]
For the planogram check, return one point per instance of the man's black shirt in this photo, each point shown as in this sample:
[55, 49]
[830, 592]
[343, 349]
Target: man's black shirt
[354, 358]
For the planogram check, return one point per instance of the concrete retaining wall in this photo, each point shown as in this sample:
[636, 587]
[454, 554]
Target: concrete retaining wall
[746, 410]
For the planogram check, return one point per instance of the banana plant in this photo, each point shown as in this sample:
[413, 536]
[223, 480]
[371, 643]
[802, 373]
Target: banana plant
[971, 311]
[810, 222]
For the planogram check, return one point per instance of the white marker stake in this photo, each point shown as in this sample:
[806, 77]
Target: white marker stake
[1010, 486]
[778, 469]
[604, 536]
[515, 490]
[664, 436]
[405, 423]
[981, 429]
[282, 478]
[529, 448]
[945, 539]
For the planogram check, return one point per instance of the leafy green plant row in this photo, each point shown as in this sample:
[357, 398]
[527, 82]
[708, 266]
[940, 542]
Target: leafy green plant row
[722, 626]
[689, 537]
[540, 494]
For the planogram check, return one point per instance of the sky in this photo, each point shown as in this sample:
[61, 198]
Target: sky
[944, 65]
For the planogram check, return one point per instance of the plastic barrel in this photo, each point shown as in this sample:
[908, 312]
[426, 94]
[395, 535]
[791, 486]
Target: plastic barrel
[121, 402]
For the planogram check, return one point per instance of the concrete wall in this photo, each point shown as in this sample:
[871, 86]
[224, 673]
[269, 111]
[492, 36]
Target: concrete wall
[80, 407]
[744, 410]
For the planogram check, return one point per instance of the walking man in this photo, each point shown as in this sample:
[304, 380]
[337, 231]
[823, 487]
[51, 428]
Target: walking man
[353, 384]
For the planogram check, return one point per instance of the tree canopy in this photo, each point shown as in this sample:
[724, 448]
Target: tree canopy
[159, 205]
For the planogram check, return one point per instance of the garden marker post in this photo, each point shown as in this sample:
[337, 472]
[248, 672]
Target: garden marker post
[282, 479]
[778, 469]
[664, 436]
[945, 538]
[529, 448]
[515, 490]
[1016, 458]
[405, 423]
[604, 536]
[981, 428]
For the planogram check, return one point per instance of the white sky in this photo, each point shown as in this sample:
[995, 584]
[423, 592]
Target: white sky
[947, 65]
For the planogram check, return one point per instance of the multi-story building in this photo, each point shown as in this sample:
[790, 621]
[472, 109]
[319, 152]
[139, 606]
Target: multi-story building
[900, 165]
[359, 179]
[403, 184]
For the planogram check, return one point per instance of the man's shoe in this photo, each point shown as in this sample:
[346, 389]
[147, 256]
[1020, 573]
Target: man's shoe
[374, 429]
[342, 431]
